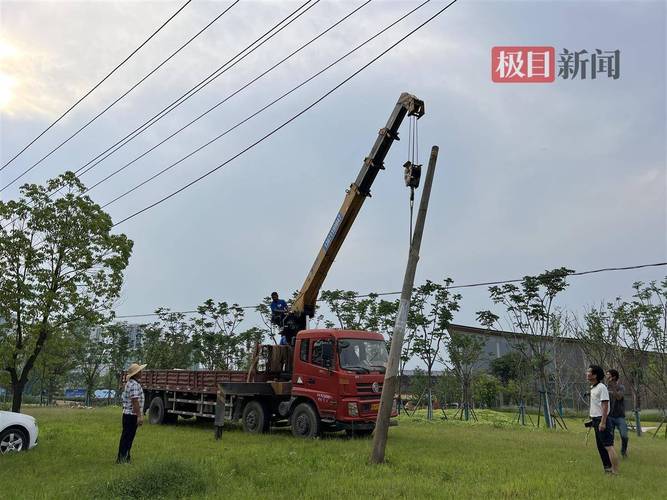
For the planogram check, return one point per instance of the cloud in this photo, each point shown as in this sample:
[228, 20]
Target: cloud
[571, 173]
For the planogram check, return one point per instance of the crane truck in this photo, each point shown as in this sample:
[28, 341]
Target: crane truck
[323, 379]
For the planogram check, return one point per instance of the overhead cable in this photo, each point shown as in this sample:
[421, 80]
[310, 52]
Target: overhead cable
[471, 285]
[94, 118]
[199, 117]
[290, 120]
[210, 78]
[230, 63]
[219, 136]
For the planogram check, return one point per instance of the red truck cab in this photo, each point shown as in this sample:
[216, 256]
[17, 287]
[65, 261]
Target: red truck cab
[340, 373]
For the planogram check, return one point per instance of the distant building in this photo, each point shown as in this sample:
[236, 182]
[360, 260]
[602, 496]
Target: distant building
[498, 343]
[136, 334]
[135, 337]
[409, 376]
[566, 352]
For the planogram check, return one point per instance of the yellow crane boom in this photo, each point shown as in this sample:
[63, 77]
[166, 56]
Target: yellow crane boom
[304, 304]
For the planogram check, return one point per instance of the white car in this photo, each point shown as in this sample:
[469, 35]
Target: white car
[17, 432]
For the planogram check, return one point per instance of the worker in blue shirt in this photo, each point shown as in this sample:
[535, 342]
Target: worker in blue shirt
[279, 310]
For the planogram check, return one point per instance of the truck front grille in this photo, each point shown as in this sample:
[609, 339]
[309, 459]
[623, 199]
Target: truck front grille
[367, 389]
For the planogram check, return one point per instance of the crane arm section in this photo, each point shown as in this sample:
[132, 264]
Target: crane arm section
[304, 304]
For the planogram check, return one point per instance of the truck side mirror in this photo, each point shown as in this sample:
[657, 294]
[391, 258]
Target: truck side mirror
[327, 354]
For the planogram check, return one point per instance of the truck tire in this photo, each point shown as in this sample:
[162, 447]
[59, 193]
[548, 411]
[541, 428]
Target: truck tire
[157, 413]
[305, 421]
[256, 418]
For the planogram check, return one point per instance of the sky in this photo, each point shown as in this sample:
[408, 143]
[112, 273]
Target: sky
[529, 177]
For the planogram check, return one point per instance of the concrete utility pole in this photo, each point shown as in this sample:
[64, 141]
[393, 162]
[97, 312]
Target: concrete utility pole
[391, 375]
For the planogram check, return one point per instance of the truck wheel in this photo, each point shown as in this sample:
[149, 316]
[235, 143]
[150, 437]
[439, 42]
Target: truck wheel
[255, 418]
[157, 413]
[305, 421]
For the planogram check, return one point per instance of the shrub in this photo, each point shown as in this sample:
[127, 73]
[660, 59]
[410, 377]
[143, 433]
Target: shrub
[167, 479]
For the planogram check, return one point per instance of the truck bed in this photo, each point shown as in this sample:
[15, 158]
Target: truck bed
[196, 381]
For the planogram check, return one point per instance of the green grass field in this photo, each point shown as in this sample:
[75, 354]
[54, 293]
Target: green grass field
[440, 459]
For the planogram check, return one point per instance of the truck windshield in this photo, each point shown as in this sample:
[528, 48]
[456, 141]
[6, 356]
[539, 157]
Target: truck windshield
[363, 356]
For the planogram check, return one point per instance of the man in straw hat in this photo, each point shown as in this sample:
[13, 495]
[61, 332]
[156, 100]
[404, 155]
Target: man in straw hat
[133, 416]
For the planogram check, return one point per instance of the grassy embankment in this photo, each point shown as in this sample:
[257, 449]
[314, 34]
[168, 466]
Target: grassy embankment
[441, 459]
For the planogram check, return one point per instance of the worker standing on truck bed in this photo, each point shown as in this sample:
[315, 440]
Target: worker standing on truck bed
[133, 417]
[279, 310]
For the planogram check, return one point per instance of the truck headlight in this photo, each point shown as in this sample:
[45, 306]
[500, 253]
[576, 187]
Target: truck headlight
[352, 410]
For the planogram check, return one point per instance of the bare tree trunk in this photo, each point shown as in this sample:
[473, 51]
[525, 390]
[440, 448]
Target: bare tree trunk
[546, 407]
[429, 407]
[637, 410]
[465, 397]
[17, 395]
[41, 389]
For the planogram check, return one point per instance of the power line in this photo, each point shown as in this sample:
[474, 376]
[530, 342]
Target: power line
[471, 285]
[290, 120]
[276, 27]
[210, 78]
[230, 63]
[219, 136]
[243, 87]
[519, 280]
[95, 87]
[94, 118]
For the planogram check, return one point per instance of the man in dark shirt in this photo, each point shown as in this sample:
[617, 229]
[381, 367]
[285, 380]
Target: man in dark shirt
[279, 310]
[617, 409]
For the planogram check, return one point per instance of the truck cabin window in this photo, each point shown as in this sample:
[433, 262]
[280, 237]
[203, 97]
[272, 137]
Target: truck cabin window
[303, 350]
[317, 352]
[363, 356]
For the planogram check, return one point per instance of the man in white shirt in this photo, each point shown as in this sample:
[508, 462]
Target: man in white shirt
[599, 411]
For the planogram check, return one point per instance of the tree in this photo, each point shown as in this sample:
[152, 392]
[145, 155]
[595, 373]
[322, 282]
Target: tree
[4, 387]
[54, 364]
[598, 336]
[513, 372]
[166, 343]
[464, 352]
[447, 388]
[214, 339]
[658, 328]
[90, 354]
[631, 335]
[486, 388]
[507, 367]
[120, 353]
[639, 326]
[432, 308]
[418, 386]
[360, 313]
[59, 263]
[264, 311]
[530, 307]
[564, 377]
[246, 346]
